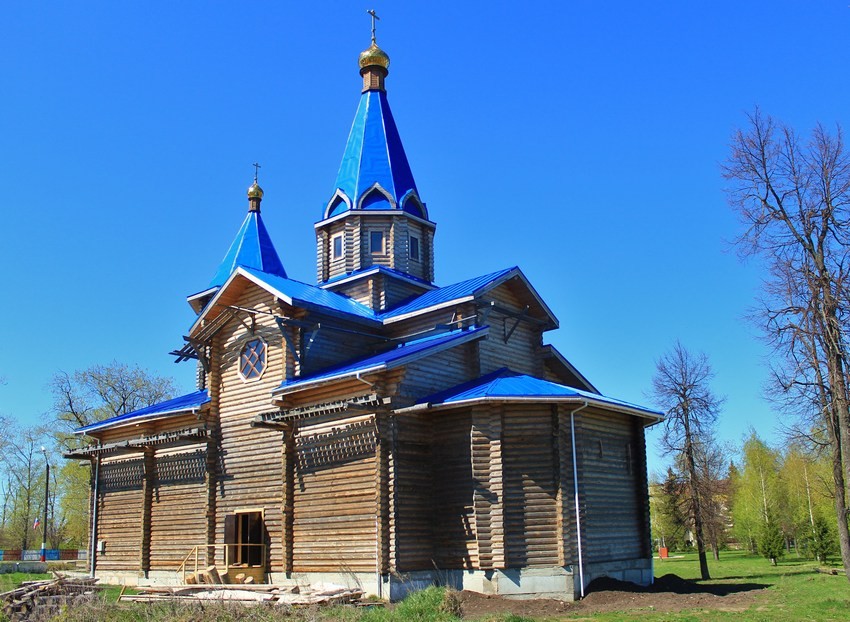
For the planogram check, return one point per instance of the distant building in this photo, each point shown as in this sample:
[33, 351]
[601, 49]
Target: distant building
[374, 428]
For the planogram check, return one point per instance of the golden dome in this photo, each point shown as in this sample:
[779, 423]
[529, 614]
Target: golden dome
[255, 192]
[373, 55]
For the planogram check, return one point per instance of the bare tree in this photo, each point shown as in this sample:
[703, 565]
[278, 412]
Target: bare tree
[103, 391]
[793, 197]
[681, 387]
[79, 399]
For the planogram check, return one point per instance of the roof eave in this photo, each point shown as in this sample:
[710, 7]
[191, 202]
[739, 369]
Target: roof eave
[375, 212]
[99, 427]
[401, 361]
[652, 416]
[436, 307]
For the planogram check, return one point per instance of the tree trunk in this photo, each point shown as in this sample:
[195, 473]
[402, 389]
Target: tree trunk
[841, 507]
[695, 502]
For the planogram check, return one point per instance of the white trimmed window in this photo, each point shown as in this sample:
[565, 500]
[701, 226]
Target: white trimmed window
[337, 246]
[376, 242]
[413, 247]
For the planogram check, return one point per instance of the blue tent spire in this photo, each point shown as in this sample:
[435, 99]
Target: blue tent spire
[252, 247]
[374, 173]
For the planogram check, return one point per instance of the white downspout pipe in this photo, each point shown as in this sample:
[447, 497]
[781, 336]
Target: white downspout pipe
[575, 488]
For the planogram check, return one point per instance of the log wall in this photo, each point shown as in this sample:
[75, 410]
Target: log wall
[334, 497]
[249, 466]
[413, 527]
[455, 544]
[178, 520]
[520, 350]
[531, 465]
[119, 524]
[613, 475]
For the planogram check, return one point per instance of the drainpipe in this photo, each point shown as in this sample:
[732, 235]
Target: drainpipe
[93, 538]
[575, 487]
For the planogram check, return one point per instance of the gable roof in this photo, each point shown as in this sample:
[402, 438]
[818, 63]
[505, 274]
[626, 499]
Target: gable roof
[464, 291]
[505, 385]
[251, 248]
[190, 402]
[373, 155]
[400, 355]
[298, 293]
[294, 293]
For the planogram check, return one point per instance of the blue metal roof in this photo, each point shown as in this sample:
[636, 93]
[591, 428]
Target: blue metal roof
[311, 294]
[446, 294]
[182, 404]
[507, 384]
[374, 269]
[401, 354]
[303, 293]
[252, 248]
[373, 155]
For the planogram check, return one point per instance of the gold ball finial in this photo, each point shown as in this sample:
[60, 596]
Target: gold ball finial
[372, 56]
[255, 192]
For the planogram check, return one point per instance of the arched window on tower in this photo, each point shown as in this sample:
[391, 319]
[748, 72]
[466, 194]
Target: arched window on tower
[338, 206]
[412, 205]
[375, 200]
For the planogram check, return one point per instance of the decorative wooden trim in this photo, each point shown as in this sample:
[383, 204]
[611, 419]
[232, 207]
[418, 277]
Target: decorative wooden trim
[148, 483]
[287, 507]
[382, 505]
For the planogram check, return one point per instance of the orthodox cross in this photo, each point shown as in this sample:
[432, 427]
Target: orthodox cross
[374, 17]
[257, 168]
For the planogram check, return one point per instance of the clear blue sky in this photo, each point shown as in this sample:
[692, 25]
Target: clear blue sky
[581, 141]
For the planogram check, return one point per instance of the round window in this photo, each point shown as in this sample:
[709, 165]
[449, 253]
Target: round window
[252, 361]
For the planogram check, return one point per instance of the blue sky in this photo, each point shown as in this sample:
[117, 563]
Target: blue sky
[581, 141]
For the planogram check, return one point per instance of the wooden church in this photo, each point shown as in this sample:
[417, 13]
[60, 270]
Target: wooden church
[373, 429]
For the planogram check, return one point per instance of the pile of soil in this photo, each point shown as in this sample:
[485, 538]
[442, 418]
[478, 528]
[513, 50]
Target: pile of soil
[668, 593]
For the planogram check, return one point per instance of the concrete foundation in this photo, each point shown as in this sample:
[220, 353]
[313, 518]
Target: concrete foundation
[561, 583]
[637, 571]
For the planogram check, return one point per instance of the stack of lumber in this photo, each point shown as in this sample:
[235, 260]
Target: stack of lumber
[325, 594]
[45, 596]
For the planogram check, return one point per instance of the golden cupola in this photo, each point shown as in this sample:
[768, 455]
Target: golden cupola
[374, 67]
[255, 195]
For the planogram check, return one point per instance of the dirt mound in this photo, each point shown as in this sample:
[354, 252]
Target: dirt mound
[607, 584]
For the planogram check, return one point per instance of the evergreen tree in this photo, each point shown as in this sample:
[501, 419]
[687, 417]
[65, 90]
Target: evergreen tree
[771, 541]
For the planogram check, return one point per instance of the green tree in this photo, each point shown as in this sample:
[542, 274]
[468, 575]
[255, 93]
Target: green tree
[668, 511]
[758, 492]
[771, 541]
[793, 198]
[823, 540]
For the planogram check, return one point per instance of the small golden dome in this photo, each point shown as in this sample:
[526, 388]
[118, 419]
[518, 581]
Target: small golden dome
[255, 192]
[373, 55]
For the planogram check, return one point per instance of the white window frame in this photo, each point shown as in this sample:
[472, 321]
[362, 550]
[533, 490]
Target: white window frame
[383, 249]
[410, 239]
[341, 238]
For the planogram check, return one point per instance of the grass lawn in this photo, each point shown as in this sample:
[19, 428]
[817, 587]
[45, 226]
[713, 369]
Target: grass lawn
[11, 580]
[794, 590]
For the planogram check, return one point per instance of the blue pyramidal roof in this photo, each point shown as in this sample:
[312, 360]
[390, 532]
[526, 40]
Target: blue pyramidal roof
[374, 155]
[252, 248]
